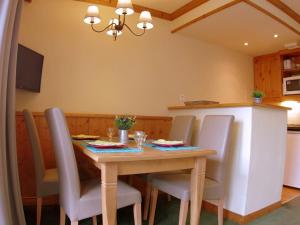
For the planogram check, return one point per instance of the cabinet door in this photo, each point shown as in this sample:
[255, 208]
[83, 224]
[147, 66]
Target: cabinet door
[267, 75]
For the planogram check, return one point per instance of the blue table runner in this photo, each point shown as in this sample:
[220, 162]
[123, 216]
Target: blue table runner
[110, 150]
[179, 148]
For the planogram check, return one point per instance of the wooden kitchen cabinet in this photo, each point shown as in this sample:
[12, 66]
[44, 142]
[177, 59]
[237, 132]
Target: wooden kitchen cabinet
[268, 75]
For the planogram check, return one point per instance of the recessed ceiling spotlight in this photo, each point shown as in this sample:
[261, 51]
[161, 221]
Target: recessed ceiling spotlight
[275, 35]
[246, 43]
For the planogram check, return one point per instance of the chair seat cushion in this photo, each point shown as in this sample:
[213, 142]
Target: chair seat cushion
[179, 186]
[90, 199]
[49, 185]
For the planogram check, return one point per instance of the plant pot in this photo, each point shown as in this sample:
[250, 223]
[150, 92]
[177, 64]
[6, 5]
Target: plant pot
[257, 100]
[123, 136]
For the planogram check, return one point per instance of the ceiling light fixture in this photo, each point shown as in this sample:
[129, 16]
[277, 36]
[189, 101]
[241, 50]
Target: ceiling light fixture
[246, 43]
[116, 25]
[275, 35]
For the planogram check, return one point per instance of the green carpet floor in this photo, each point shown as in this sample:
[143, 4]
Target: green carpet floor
[167, 214]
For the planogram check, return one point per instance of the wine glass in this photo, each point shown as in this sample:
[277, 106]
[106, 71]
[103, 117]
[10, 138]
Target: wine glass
[110, 133]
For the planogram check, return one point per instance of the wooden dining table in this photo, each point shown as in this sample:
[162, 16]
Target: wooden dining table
[150, 160]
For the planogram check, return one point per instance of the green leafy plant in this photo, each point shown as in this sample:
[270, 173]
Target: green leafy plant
[124, 122]
[257, 94]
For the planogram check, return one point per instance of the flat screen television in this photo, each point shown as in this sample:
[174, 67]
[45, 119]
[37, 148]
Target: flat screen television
[29, 69]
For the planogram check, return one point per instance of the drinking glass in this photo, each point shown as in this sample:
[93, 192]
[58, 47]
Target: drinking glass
[140, 138]
[110, 133]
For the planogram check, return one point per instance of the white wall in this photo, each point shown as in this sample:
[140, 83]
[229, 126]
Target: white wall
[88, 72]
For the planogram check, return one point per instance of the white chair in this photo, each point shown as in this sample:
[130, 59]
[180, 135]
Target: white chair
[181, 130]
[46, 180]
[214, 134]
[81, 200]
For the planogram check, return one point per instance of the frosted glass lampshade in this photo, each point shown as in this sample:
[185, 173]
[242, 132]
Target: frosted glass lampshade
[145, 21]
[92, 15]
[112, 31]
[124, 7]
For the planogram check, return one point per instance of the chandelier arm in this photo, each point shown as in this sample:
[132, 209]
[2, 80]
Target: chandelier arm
[100, 31]
[124, 20]
[135, 34]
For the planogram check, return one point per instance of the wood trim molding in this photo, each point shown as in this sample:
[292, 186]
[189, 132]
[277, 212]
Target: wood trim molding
[206, 15]
[106, 116]
[138, 8]
[186, 8]
[242, 220]
[286, 9]
[271, 15]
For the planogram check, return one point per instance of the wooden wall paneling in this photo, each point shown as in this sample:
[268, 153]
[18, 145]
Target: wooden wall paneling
[78, 125]
[152, 128]
[139, 125]
[149, 129]
[24, 154]
[165, 128]
[98, 126]
[46, 143]
[109, 122]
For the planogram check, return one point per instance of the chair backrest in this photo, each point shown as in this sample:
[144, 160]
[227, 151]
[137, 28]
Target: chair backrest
[69, 183]
[182, 128]
[215, 134]
[38, 159]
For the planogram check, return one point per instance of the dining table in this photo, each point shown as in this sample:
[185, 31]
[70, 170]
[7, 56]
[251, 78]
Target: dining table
[147, 160]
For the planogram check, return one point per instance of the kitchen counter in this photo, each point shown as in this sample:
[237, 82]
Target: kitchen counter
[229, 105]
[257, 153]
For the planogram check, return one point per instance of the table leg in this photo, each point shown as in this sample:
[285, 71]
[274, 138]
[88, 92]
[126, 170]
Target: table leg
[109, 176]
[197, 187]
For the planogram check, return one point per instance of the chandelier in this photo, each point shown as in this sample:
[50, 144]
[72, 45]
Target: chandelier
[116, 25]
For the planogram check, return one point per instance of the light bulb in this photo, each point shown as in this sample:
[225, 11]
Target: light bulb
[112, 31]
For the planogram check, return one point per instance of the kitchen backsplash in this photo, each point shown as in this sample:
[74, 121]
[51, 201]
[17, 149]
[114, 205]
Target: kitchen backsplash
[294, 113]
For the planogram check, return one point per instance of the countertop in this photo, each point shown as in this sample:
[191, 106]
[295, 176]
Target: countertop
[229, 105]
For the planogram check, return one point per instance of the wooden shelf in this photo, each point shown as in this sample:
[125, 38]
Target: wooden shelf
[291, 72]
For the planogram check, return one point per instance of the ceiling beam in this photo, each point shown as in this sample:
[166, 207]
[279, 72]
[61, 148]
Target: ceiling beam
[295, 27]
[186, 8]
[201, 12]
[287, 10]
[137, 8]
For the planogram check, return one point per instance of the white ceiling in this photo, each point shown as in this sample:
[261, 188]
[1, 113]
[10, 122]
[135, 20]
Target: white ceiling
[242, 23]
[168, 6]
[293, 4]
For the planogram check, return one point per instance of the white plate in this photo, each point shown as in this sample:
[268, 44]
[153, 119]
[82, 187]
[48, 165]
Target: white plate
[85, 137]
[105, 144]
[163, 142]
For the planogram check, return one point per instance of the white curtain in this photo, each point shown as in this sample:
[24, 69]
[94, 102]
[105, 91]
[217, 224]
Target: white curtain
[11, 208]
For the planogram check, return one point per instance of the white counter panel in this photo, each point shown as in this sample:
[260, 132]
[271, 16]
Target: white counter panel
[256, 156]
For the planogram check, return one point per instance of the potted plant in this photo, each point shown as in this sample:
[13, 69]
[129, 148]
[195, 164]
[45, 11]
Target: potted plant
[257, 96]
[124, 123]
